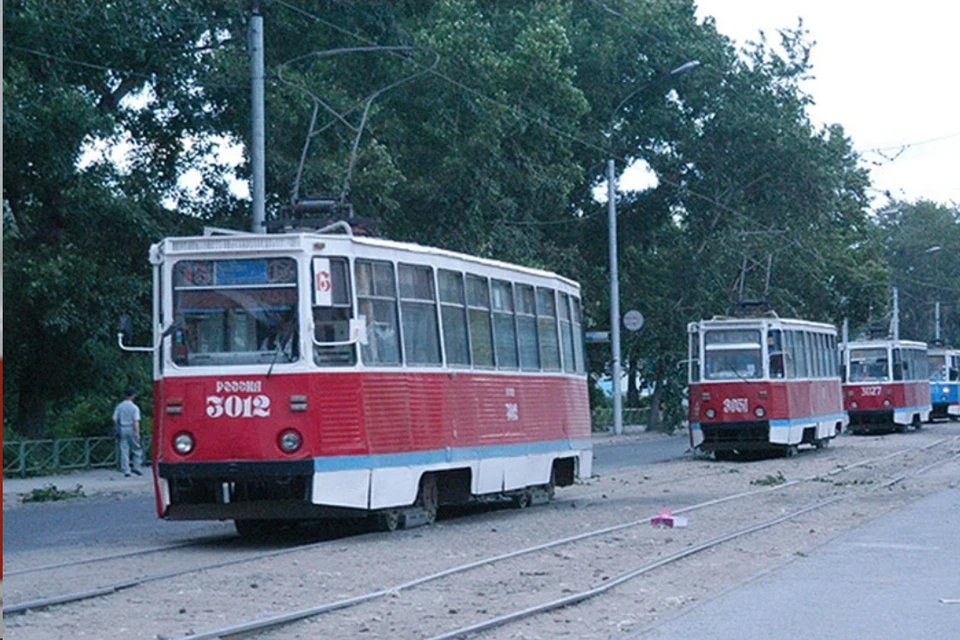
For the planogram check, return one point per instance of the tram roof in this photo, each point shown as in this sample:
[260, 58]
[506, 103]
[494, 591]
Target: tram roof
[883, 342]
[230, 241]
[717, 322]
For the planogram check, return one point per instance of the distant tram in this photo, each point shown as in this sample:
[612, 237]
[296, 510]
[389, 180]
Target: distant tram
[886, 385]
[318, 374]
[944, 364]
[763, 383]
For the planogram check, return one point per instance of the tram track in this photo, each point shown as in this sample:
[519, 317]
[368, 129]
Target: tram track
[608, 582]
[586, 500]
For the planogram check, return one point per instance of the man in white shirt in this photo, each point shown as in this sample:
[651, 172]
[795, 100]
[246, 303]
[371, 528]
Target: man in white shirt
[126, 419]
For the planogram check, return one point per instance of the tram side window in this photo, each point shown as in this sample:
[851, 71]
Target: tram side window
[504, 325]
[453, 312]
[377, 301]
[566, 334]
[481, 336]
[331, 313]
[547, 330]
[527, 327]
[898, 365]
[790, 354]
[775, 351]
[694, 370]
[418, 307]
[578, 335]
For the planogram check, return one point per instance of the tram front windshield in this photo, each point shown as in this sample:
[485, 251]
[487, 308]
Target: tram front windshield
[731, 354]
[868, 365]
[937, 366]
[235, 312]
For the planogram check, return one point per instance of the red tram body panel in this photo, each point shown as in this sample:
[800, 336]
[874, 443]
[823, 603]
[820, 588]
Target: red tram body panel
[308, 375]
[762, 383]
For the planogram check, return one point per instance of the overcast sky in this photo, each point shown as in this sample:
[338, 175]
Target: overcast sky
[889, 72]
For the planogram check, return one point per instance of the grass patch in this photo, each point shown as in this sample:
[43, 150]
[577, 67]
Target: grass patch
[770, 480]
[50, 493]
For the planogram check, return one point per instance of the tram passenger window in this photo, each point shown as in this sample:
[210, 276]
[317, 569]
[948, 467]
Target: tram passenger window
[566, 333]
[547, 330]
[897, 365]
[453, 312]
[421, 339]
[527, 328]
[504, 325]
[694, 370]
[481, 331]
[377, 302]
[578, 335]
[790, 354]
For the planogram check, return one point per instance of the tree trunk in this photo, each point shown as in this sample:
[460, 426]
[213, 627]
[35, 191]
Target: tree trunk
[633, 394]
[31, 414]
[655, 422]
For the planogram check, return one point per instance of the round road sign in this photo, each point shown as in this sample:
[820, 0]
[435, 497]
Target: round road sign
[633, 320]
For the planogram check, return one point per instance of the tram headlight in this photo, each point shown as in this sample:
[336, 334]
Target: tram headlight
[759, 412]
[854, 405]
[710, 413]
[183, 443]
[886, 403]
[290, 441]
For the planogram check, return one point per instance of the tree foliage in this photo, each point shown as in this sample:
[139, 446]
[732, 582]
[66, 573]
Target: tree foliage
[476, 126]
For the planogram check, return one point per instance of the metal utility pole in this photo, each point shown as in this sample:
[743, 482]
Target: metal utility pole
[258, 189]
[895, 320]
[614, 302]
[936, 313]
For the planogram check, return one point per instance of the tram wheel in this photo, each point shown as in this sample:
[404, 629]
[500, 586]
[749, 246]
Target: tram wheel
[429, 497]
[522, 499]
[390, 520]
[791, 451]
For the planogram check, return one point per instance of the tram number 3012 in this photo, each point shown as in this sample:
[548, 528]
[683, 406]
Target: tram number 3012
[238, 406]
[735, 405]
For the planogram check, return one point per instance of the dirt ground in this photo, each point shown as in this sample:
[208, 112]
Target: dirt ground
[351, 566]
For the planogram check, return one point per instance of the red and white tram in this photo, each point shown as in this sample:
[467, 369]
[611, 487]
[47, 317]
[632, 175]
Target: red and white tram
[886, 385]
[308, 375]
[763, 383]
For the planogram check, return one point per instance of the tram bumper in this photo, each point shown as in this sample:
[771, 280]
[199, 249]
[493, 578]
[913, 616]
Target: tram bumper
[237, 490]
[735, 436]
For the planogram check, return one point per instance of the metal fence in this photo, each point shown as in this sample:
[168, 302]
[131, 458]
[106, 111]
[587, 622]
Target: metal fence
[45, 457]
[602, 418]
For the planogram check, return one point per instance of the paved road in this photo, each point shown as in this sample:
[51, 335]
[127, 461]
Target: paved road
[898, 577]
[126, 511]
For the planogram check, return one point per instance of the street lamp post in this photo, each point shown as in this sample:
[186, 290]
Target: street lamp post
[614, 302]
[614, 277]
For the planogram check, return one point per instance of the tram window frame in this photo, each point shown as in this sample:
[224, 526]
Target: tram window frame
[480, 322]
[331, 323]
[377, 301]
[527, 334]
[418, 314]
[547, 329]
[504, 324]
[453, 318]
